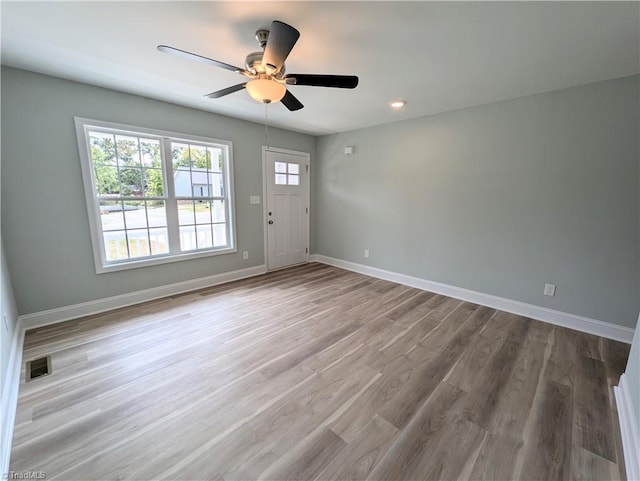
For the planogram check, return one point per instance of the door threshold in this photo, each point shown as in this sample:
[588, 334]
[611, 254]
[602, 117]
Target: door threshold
[287, 267]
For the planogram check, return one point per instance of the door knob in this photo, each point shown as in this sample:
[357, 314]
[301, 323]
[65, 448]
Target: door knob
[270, 222]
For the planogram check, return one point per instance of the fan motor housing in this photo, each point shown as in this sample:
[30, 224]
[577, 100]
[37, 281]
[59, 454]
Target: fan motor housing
[253, 62]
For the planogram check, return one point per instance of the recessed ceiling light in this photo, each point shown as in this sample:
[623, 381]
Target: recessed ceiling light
[397, 104]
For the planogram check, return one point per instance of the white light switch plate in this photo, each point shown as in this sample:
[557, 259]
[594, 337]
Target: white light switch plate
[254, 199]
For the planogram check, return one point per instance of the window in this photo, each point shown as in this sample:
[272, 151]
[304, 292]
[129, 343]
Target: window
[155, 196]
[287, 173]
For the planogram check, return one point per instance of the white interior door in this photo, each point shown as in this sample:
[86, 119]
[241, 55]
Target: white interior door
[286, 207]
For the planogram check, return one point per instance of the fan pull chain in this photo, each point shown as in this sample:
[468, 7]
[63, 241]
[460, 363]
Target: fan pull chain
[266, 124]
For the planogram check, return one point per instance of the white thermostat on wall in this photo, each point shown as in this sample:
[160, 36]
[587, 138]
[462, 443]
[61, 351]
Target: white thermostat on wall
[348, 150]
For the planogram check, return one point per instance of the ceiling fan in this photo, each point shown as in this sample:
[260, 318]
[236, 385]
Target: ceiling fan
[266, 69]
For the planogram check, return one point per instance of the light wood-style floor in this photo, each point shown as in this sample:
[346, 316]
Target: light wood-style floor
[318, 373]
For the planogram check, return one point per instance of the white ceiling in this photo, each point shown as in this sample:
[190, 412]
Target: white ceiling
[439, 56]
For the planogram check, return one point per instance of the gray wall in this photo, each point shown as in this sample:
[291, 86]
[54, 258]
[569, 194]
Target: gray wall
[499, 199]
[8, 309]
[44, 217]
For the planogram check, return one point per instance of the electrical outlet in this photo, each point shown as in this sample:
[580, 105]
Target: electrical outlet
[550, 290]
[366, 252]
[245, 255]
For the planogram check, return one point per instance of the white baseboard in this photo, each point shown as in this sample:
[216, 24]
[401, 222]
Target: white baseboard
[53, 316]
[628, 430]
[564, 319]
[10, 397]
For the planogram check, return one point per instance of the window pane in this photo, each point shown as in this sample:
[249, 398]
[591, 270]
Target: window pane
[198, 156]
[111, 215]
[180, 155]
[201, 183]
[281, 179]
[218, 213]
[294, 168]
[208, 165]
[156, 213]
[186, 212]
[159, 239]
[203, 233]
[153, 183]
[182, 183]
[281, 167]
[106, 178]
[138, 243]
[134, 215]
[203, 212]
[294, 179]
[127, 150]
[131, 181]
[188, 238]
[115, 244]
[215, 156]
[217, 185]
[102, 148]
[219, 235]
[150, 150]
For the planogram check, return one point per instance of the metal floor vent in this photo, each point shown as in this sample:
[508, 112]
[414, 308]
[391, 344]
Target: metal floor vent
[38, 368]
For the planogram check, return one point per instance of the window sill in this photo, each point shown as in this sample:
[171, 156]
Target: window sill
[135, 264]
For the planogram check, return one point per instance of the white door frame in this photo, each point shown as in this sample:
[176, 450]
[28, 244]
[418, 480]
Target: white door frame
[307, 157]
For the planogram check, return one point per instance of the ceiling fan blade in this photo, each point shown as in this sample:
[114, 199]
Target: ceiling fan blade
[282, 38]
[229, 90]
[291, 102]
[336, 81]
[199, 58]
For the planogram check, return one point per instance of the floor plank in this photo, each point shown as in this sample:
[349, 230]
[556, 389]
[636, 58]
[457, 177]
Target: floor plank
[593, 417]
[549, 456]
[422, 436]
[365, 451]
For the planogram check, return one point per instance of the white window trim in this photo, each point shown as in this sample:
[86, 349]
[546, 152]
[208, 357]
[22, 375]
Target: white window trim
[93, 209]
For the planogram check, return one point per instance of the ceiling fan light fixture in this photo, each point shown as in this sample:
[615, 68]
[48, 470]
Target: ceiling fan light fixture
[266, 69]
[265, 90]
